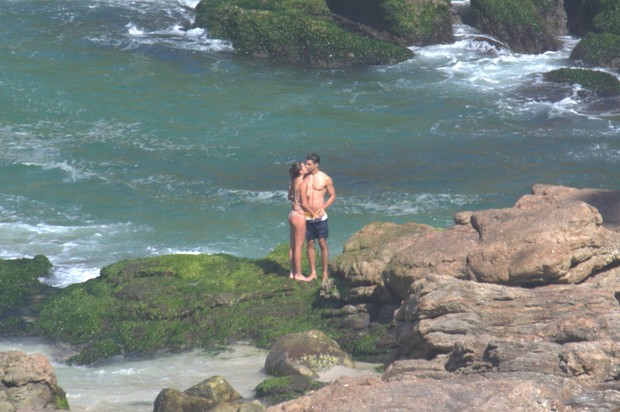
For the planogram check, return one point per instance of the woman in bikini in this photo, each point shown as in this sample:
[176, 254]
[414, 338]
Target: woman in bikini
[297, 218]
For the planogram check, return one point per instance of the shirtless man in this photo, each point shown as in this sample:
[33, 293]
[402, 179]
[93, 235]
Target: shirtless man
[321, 195]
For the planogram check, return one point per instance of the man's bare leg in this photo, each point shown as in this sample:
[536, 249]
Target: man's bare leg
[324, 258]
[311, 259]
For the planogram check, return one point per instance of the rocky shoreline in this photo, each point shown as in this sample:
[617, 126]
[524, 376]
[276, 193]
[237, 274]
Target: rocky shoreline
[510, 309]
[515, 308]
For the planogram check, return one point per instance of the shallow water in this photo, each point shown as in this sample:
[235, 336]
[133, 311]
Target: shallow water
[132, 385]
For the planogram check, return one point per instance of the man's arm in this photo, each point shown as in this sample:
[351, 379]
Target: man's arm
[331, 193]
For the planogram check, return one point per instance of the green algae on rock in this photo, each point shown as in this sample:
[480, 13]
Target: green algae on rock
[406, 23]
[176, 302]
[283, 388]
[601, 83]
[525, 25]
[172, 302]
[19, 283]
[598, 49]
[300, 31]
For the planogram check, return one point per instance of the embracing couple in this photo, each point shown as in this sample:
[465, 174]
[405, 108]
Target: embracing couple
[311, 192]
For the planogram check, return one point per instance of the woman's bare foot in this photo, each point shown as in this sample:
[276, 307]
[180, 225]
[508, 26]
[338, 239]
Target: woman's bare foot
[312, 276]
[291, 276]
[301, 277]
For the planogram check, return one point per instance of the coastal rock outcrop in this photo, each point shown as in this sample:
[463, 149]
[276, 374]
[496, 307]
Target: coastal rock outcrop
[519, 298]
[334, 33]
[534, 26]
[28, 383]
[527, 26]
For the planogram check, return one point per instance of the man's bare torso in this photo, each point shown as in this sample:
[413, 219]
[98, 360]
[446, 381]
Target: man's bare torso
[317, 187]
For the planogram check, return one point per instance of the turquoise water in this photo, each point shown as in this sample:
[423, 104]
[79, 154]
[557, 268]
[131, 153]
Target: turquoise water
[125, 133]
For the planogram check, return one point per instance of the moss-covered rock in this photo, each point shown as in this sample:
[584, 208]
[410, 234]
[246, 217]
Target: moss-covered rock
[526, 26]
[585, 16]
[172, 302]
[294, 31]
[601, 83]
[284, 388]
[419, 23]
[598, 49]
[19, 289]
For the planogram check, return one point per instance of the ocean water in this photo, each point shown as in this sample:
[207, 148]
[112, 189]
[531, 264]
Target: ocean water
[126, 132]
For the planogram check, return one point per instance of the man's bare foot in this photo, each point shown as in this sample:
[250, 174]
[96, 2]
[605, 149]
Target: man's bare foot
[312, 276]
[291, 276]
[301, 277]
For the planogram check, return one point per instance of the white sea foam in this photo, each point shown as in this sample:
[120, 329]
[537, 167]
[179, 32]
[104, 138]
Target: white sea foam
[394, 204]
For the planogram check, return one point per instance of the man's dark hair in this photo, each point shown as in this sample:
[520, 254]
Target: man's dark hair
[314, 157]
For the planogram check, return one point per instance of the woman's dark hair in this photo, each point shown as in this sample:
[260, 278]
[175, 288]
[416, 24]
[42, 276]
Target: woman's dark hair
[295, 169]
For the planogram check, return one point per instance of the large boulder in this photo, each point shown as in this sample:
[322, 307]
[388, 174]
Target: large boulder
[28, 383]
[305, 354]
[586, 16]
[598, 49]
[527, 26]
[598, 23]
[336, 33]
[555, 235]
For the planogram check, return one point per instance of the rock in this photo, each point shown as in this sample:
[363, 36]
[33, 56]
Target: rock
[598, 49]
[175, 302]
[598, 23]
[28, 383]
[519, 392]
[21, 290]
[172, 400]
[527, 26]
[554, 235]
[442, 311]
[522, 301]
[280, 389]
[537, 242]
[214, 394]
[598, 82]
[215, 388]
[296, 32]
[419, 23]
[592, 16]
[305, 353]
